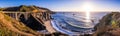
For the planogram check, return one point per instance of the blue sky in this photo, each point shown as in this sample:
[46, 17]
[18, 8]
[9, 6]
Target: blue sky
[66, 5]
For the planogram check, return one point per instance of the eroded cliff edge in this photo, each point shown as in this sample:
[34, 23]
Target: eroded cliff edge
[109, 25]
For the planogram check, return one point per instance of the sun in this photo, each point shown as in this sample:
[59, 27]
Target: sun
[87, 8]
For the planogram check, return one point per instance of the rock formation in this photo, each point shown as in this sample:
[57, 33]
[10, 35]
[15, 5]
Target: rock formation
[109, 25]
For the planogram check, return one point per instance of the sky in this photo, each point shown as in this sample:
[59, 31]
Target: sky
[67, 5]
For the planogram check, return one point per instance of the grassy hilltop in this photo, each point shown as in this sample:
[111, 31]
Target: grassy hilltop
[24, 8]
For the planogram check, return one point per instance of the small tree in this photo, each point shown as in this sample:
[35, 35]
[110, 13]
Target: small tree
[114, 24]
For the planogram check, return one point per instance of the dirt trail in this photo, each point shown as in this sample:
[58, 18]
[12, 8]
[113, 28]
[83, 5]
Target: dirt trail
[10, 26]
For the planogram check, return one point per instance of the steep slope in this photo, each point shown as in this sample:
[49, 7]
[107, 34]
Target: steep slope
[109, 25]
[11, 27]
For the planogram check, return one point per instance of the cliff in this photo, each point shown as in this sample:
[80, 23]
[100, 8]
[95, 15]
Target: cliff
[109, 25]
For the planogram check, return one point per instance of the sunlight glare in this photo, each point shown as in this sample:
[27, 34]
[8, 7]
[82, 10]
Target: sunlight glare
[87, 8]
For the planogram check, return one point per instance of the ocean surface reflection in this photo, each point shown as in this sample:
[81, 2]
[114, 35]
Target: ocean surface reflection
[74, 22]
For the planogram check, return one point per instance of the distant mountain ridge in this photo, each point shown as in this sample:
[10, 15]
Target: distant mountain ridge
[24, 8]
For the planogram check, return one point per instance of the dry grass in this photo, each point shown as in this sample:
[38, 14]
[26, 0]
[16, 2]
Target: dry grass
[12, 27]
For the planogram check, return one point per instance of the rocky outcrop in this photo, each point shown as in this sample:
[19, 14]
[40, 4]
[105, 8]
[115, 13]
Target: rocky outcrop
[109, 25]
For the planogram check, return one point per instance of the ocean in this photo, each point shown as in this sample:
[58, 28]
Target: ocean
[74, 23]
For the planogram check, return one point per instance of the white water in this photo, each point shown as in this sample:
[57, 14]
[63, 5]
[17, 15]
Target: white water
[73, 23]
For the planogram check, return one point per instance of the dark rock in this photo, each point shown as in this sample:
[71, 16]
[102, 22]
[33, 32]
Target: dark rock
[32, 23]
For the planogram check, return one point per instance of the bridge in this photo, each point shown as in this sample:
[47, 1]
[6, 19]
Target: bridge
[60, 23]
[41, 17]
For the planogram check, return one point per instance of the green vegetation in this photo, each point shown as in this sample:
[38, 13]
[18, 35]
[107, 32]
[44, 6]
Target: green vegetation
[114, 24]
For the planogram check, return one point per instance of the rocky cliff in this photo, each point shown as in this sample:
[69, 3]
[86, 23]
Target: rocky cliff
[109, 25]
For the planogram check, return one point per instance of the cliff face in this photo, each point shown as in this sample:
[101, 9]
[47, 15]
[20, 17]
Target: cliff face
[12, 27]
[109, 25]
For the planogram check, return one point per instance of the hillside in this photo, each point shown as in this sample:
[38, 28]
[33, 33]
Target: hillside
[109, 25]
[12, 27]
[31, 24]
[24, 8]
[31, 21]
